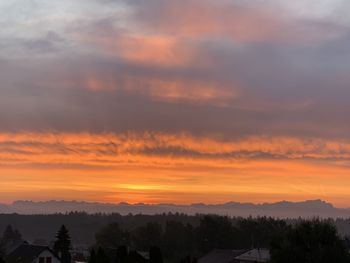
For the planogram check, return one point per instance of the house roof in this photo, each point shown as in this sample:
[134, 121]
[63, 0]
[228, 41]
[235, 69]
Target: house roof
[255, 255]
[11, 246]
[27, 253]
[221, 256]
[134, 256]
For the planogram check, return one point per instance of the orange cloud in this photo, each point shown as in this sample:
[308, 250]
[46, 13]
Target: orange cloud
[154, 148]
[162, 50]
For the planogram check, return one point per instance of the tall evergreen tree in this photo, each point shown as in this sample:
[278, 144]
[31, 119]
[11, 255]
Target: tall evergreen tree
[63, 244]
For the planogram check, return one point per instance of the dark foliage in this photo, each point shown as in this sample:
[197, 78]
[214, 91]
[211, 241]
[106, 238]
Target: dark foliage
[148, 235]
[258, 231]
[63, 244]
[216, 232]
[309, 242]
[180, 237]
[9, 237]
[112, 236]
[179, 241]
[82, 226]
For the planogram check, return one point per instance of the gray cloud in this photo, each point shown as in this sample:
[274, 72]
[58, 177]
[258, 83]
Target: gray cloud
[288, 87]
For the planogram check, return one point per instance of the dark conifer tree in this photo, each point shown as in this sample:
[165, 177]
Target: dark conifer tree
[63, 244]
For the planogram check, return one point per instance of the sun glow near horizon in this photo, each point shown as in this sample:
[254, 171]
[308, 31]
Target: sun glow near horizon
[159, 167]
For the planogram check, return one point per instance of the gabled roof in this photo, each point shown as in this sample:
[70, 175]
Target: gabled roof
[26, 253]
[221, 256]
[255, 255]
[10, 247]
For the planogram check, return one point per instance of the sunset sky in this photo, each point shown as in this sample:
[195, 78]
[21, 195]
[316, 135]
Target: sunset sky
[175, 101]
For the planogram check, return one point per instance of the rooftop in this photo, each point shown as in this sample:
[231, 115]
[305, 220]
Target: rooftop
[255, 255]
[221, 256]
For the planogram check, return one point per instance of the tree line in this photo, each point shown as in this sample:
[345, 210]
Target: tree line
[184, 241]
[179, 241]
[83, 226]
[303, 241]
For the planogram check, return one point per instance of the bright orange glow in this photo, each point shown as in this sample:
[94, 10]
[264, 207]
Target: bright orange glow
[155, 49]
[180, 168]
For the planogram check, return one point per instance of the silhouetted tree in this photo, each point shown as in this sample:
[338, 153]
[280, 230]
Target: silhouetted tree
[309, 242]
[216, 232]
[155, 255]
[148, 235]
[178, 240]
[258, 232]
[112, 236]
[1, 259]
[63, 244]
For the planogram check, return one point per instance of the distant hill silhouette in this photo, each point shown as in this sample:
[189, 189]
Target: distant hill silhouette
[284, 209]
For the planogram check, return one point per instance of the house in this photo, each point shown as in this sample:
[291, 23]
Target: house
[221, 256]
[26, 253]
[254, 256]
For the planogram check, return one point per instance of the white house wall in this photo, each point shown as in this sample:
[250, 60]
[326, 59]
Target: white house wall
[46, 254]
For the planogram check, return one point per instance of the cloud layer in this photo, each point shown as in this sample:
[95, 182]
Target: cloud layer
[154, 149]
[185, 84]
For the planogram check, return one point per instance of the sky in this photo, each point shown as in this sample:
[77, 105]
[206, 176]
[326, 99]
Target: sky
[175, 101]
